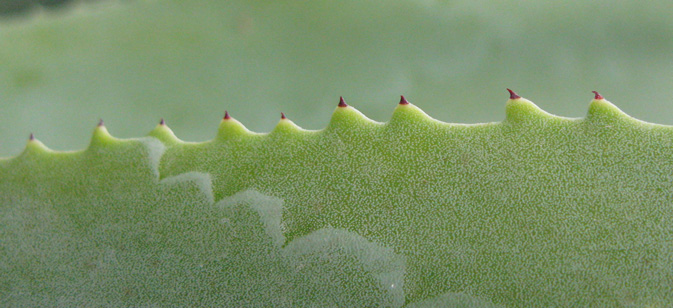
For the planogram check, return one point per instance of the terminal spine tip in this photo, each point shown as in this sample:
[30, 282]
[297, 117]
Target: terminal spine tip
[342, 103]
[597, 95]
[513, 95]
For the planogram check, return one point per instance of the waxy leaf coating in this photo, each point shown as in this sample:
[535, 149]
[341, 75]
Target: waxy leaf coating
[534, 211]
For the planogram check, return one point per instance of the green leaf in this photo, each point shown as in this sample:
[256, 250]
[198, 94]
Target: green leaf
[97, 228]
[537, 210]
[533, 211]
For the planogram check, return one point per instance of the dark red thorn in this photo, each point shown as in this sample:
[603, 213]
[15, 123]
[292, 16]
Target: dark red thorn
[226, 115]
[31, 137]
[598, 96]
[162, 122]
[101, 123]
[403, 101]
[342, 103]
[282, 116]
[513, 95]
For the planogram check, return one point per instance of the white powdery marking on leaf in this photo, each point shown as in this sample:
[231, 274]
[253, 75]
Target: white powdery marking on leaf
[269, 209]
[330, 245]
[328, 268]
[202, 182]
[155, 149]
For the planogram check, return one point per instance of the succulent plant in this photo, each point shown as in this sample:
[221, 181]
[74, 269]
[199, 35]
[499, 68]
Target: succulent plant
[536, 210]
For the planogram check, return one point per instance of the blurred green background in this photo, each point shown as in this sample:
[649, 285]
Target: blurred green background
[132, 62]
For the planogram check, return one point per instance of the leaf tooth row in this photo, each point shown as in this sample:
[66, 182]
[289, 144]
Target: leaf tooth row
[345, 118]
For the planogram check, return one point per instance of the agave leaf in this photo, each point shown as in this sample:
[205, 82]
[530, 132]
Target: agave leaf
[570, 210]
[98, 228]
[536, 210]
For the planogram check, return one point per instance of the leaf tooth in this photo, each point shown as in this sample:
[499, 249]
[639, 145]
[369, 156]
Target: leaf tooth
[602, 110]
[101, 136]
[406, 112]
[519, 109]
[345, 118]
[285, 126]
[231, 128]
[34, 146]
[164, 133]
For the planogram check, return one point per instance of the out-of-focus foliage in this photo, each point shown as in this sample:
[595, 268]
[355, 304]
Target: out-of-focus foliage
[131, 62]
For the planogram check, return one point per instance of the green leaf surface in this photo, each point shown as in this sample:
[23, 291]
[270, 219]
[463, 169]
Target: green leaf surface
[533, 211]
[97, 228]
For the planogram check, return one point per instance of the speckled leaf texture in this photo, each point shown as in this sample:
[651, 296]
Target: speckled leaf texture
[534, 211]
